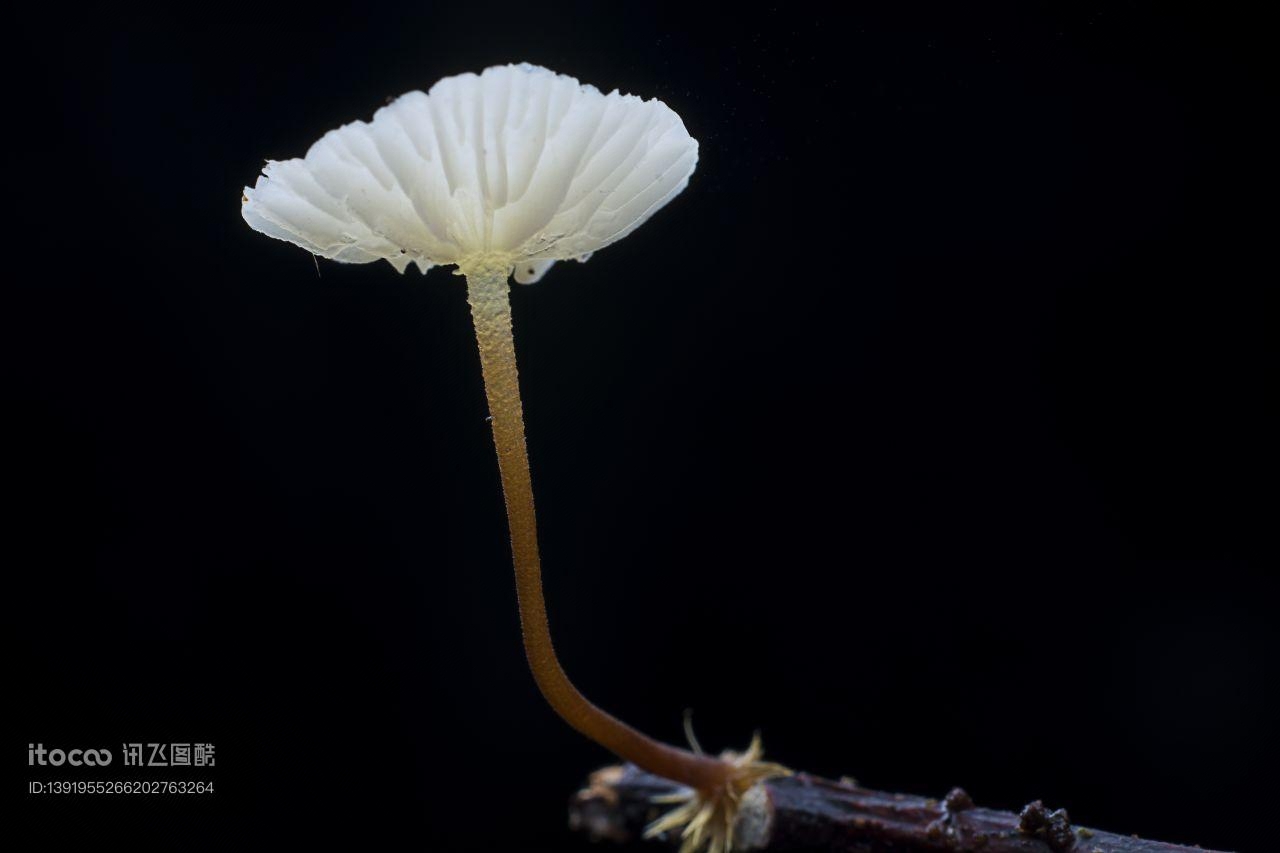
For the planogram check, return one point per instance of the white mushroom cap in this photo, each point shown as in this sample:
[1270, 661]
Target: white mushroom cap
[518, 163]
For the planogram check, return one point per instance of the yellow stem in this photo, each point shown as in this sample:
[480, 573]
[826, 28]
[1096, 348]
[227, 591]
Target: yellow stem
[487, 293]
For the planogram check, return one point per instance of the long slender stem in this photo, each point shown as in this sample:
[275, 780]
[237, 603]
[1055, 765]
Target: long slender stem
[487, 292]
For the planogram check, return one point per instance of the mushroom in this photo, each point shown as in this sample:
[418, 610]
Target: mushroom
[503, 173]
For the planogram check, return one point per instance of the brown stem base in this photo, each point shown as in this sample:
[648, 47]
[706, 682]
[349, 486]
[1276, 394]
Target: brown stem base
[806, 813]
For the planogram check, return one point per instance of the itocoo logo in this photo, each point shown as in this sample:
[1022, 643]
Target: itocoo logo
[37, 754]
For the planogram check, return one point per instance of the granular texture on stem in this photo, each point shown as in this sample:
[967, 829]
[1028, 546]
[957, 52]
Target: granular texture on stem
[488, 295]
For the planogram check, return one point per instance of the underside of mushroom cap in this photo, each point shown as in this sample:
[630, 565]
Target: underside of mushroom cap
[517, 161]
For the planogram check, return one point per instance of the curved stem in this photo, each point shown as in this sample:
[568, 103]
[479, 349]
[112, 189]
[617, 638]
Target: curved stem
[487, 293]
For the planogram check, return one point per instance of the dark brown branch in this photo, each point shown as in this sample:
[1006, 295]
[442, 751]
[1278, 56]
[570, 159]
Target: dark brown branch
[806, 813]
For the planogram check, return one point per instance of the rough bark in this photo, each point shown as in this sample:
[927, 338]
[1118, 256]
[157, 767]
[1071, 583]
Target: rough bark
[806, 813]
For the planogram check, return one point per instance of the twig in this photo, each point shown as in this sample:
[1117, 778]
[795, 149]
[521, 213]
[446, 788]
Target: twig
[806, 813]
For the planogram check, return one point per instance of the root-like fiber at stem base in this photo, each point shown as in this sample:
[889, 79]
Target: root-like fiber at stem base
[705, 819]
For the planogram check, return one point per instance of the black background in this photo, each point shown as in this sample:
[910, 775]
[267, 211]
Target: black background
[923, 432]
